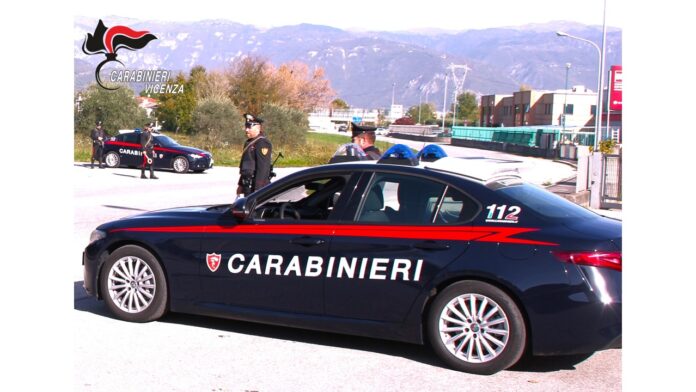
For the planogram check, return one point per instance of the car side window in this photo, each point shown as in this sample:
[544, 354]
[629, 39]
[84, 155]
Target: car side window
[401, 199]
[131, 138]
[456, 207]
[313, 199]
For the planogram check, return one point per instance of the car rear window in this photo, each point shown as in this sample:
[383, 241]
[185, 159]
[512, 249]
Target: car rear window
[545, 203]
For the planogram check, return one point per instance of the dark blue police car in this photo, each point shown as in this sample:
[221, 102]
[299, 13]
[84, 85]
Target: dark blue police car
[124, 150]
[466, 257]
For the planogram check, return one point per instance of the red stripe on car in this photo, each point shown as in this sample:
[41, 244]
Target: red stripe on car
[463, 233]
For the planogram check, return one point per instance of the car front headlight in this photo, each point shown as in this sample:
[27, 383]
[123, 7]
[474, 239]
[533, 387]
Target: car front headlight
[96, 236]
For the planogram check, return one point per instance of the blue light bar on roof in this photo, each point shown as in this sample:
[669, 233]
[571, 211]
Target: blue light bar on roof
[399, 154]
[431, 153]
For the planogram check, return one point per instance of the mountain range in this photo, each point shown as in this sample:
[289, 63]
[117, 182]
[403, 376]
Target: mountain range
[369, 69]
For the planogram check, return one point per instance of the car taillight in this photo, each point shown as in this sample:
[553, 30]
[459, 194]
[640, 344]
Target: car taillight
[592, 258]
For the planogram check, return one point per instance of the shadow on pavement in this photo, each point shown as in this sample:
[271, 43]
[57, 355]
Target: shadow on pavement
[419, 353]
[549, 364]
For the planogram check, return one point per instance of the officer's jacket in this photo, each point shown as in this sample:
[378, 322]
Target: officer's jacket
[147, 141]
[96, 134]
[256, 161]
[373, 152]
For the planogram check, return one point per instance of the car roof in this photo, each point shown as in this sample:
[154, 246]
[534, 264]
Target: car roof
[483, 170]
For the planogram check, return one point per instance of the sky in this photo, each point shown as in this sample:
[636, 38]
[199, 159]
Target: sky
[370, 14]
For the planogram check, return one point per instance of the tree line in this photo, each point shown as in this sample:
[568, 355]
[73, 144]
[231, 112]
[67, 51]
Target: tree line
[213, 102]
[467, 112]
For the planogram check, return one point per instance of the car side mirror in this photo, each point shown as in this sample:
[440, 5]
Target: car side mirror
[239, 209]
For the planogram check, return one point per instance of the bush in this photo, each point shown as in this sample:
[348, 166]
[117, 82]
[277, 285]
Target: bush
[219, 121]
[285, 127]
[606, 146]
[117, 109]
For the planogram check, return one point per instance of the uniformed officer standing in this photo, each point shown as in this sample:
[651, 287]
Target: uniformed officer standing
[98, 136]
[364, 137]
[147, 146]
[255, 166]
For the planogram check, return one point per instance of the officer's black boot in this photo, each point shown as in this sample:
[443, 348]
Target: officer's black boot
[91, 163]
[152, 173]
[142, 173]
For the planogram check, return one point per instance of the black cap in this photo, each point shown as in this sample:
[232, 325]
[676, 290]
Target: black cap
[99, 123]
[251, 120]
[360, 129]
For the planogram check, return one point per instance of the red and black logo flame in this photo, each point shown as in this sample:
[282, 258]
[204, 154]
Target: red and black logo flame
[109, 40]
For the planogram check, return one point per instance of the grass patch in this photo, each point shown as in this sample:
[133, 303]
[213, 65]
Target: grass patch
[317, 150]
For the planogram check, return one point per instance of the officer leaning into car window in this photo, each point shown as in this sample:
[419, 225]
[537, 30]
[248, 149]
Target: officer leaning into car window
[147, 146]
[255, 166]
[364, 137]
[98, 136]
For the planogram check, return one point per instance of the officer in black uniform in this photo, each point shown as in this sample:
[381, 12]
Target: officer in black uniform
[147, 146]
[364, 137]
[255, 166]
[98, 136]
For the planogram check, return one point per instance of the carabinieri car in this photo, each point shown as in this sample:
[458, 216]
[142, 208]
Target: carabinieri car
[483, 267]
[124, 150]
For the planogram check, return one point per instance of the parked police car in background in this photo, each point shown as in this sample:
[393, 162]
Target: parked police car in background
[484, 267]
[124, 150]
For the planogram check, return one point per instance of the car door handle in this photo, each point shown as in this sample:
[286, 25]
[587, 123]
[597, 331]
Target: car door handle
[307, 241]
[431, 245]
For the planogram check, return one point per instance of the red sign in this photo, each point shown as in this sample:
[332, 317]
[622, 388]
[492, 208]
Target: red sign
[616, 80]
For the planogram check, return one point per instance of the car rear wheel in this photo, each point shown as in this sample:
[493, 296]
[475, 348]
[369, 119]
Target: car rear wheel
[112, 159]
[180, 165]
[476, 328]
[133, 285]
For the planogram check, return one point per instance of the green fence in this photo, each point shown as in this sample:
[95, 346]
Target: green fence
[525, 136]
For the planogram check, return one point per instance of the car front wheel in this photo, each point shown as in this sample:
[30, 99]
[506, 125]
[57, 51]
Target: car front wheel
[112, 159]
[133, 285]
[476, 328]
[180, 165]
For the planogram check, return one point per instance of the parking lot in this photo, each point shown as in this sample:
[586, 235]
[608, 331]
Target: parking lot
[183, 352]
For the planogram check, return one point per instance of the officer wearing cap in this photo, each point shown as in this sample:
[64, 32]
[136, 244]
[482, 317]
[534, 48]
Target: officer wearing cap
[147, 146]
[98, 136]
[255, 166]
[364, 137]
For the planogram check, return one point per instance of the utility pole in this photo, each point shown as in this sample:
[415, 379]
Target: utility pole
[444, 106]
[565, 98]
[420, 104]
[458, 85]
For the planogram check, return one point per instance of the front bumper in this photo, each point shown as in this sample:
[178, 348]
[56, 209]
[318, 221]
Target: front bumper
[90, 267]
[201, 163]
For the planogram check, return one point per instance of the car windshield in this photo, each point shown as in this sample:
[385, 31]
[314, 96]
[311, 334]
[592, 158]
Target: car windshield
[545, 203]
[166, 141]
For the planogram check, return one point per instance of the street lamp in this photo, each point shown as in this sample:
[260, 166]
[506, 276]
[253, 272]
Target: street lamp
[420, 104]
[598, 111]
[565, 98]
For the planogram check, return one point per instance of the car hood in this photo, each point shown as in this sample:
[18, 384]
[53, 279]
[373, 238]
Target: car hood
[181, 216]
[190, 150]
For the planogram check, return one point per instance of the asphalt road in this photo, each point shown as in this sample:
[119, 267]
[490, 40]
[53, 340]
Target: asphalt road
[192, 353]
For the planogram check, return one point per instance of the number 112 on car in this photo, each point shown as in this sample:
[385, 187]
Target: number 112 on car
[503, 213]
